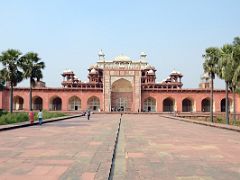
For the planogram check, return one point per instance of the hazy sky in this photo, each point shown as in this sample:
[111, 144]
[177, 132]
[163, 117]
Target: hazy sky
[68, 34]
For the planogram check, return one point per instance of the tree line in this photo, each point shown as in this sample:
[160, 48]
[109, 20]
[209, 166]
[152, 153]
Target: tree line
[18, 66]
[224, 62]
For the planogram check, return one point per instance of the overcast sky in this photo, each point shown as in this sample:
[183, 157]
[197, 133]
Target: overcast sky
[68, 34]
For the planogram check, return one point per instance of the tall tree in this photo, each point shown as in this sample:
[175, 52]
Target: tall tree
[32, 69]
[2, 82]
[210, 66]
[236, 75]
[226, 71]
[10, 71]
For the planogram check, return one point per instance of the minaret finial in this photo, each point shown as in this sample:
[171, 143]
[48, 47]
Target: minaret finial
[143, 56]
[101, 55]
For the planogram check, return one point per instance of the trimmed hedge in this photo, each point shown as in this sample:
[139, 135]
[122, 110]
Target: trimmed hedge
[8, 118]
[48, 115]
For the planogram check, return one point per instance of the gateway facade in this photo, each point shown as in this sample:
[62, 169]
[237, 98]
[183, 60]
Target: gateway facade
[120, 84]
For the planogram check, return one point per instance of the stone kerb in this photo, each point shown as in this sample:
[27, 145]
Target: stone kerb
[216, 125]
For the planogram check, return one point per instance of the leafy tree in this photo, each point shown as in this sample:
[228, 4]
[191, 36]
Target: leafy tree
[32, 69]
[236, 75]
[226, 72]
[10, 71]
[210, 66]
[2, 83]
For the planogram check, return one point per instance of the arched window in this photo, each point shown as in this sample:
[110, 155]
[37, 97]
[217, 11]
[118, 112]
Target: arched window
[94, 103]
[206, 105]
[37, 103]
[18, 103]
[56, 104]
[223, 105]
[168, 105]
[187, 105]
[74, 104]
[149, 105]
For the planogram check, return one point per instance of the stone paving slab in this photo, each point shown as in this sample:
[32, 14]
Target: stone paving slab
[161, 148]
[70, 149]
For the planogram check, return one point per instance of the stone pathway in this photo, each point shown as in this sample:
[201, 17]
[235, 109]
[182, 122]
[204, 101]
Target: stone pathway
[69, 149]
[161, 148]
[149, 147]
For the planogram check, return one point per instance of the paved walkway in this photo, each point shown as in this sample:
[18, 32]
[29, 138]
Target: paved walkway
[69, 149]
[154, 147]
[150, 147]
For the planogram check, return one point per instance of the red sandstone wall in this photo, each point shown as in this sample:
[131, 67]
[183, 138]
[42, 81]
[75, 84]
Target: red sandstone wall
[5, 100]
[65, 95]
[196, 97]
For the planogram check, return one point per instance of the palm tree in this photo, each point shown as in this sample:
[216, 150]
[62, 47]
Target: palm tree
[210, 66]
[2, 82]
[32, 69]
[236, 75]
[226, 72]
[10, 71]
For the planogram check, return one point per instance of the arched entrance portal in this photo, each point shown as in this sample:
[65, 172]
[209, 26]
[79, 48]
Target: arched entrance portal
[56, 104]
[18, 103]
[206, 105]
[74, 104]
[187, 105]
[37, 103]
[223, 105]
[121, 95]
[93, 103]
[149, 105]
[168, 105]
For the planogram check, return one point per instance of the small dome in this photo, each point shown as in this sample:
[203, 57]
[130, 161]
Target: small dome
[152, 67]
[174, 72]
[75, 77]
[100, 53]
[93, 71]
[148, 67]
[150, 72]
[67, 71]
[122, 58]
[91, 67]
[143, 54]
[95, 66]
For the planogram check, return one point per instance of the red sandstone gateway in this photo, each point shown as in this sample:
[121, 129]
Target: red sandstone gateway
[120, 85]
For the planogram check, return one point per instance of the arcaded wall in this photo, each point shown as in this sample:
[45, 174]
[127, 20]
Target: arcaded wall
[48, 95]
[195, 96]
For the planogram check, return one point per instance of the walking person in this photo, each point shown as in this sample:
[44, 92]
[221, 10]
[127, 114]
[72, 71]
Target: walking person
[88, 114]
[40, 116]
